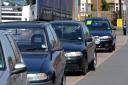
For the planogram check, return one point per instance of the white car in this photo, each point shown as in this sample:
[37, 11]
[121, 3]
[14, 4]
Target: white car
[12, 68]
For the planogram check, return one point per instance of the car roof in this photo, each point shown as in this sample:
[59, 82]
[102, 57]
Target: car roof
[97, 18]
[3, 32]
[22, 24]
[66, 21]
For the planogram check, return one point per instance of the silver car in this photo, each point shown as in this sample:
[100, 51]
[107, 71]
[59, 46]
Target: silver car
[12, 68]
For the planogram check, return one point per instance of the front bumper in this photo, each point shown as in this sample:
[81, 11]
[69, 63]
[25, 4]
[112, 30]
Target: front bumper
[42, 83]
[73, 63]
[104, 44]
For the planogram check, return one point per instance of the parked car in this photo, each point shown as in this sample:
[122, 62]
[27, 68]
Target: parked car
[41, 50]
[12, 68]
[103, 32]
[78, 45]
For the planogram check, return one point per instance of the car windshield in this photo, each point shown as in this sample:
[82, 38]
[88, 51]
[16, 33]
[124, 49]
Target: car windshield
[29, 39]
[68, 31]
[97, 24]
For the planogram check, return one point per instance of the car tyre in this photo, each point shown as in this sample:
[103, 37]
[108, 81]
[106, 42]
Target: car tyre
[114, 47]
[84, 66]
[63, 80]
[92, 65]
[110, 49]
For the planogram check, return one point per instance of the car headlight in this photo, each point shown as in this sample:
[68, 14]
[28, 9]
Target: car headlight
[37, 77]
[106, 37]
[73, 54]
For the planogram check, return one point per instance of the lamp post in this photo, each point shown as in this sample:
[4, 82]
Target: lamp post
[86, 6]
[120, 9]
[97, 9]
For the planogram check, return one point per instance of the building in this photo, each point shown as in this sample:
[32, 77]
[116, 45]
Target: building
[114, 4]
[84, 8]
[94, 5]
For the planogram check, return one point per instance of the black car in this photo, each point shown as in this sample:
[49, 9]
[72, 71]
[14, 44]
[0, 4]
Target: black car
[78, 45]
[41, 51]
[103, 32]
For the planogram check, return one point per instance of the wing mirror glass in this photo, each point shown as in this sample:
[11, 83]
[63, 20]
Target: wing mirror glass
[19, 68]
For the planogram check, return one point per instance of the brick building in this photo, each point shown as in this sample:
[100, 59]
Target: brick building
[94, 5]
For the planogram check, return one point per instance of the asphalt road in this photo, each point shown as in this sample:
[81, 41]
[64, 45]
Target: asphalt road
[102, 57]
[113, 71]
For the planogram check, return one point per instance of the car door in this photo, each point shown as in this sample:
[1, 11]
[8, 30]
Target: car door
[57, 55]
[114, 35]
[15, 78]
[90, 43]
[112, 31]
[4, 71]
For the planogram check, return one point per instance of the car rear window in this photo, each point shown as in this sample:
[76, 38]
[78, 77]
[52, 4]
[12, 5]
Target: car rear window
[29, 39]
[97, 24]
[68, 31]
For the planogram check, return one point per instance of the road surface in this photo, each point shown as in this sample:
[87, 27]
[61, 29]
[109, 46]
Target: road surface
[102, 57]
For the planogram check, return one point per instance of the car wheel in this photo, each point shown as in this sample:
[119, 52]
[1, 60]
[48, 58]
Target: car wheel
[92, 65]
[114, 47]
[110, 49]
[84, 66]
[63, 80]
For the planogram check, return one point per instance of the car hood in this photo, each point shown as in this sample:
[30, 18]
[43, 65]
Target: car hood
[36, 62]
[73, 46]
[100, 32]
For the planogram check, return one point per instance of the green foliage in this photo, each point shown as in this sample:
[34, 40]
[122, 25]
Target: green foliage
[105, 6]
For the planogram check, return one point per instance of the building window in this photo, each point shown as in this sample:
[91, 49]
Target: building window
[116, 8]
[83, 9]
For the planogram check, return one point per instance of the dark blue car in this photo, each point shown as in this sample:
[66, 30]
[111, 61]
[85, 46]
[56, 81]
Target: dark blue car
[103, 33]
[41, 51]
[78, 45]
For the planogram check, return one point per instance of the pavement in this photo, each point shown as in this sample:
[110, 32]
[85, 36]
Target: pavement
[114, 71]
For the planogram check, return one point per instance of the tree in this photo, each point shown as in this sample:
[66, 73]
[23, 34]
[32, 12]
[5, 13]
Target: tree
[105, 5]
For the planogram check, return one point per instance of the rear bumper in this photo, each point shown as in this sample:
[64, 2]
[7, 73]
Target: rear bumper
[104, 44]
[73, 64]
[41, 83]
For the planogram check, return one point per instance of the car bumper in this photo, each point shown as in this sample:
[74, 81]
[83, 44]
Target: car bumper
[41, 83]
[104, 44]
[73, 64]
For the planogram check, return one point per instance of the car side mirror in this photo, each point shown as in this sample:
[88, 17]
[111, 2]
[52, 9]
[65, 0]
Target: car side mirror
[19, 68]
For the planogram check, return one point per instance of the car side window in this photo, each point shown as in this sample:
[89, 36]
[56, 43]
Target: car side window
[57, 43]
[9, 52]
[86, 31]
[15, 48]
